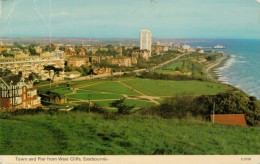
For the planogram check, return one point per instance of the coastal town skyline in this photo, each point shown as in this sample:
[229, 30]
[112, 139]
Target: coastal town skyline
[101, 19]
[74, 79]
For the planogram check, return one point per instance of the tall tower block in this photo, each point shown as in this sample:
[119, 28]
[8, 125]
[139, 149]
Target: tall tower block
[145, 40]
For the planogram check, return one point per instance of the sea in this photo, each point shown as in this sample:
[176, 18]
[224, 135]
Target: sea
[242, 69]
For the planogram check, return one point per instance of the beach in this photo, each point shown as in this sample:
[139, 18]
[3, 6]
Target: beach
[211, 71]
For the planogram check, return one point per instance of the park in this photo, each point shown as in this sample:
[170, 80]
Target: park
[137, 91]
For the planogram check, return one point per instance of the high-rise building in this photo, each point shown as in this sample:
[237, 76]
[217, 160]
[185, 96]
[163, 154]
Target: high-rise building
[146, 40]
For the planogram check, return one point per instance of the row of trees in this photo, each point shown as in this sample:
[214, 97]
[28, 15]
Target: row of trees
[155, 75]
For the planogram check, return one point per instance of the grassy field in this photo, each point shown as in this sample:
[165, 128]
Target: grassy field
[170, 88]
[83, 133]
[131, 88]
[112, 87]
[94, 96]
[171, 67]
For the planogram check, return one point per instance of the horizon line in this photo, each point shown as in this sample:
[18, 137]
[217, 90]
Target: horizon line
[77, 37]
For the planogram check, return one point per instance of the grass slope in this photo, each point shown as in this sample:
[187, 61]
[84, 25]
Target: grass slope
[82, 133]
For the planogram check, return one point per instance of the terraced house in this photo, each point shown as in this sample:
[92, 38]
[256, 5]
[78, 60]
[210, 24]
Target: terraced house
[17, 92]
[28, 64]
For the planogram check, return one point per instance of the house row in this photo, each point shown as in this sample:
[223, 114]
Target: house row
[28, 64]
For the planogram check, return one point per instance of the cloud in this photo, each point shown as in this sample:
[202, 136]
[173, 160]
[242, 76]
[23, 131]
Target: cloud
[258, 1]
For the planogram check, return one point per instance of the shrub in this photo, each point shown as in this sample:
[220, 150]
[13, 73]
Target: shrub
[27, 111]
[122, 107]
[85, 107]
[202, 106]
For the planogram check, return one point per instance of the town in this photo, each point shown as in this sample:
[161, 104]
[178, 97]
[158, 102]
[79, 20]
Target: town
[106, 96]
[22, 65]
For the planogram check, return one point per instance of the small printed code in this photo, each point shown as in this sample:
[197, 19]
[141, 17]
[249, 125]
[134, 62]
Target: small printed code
[245, 159]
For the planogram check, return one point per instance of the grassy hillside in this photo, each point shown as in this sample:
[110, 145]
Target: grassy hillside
[83, 133]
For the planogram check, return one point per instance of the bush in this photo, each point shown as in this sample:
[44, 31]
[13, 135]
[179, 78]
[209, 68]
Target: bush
[202, 106]
[85, 108]
[27, 111]
[122, 107]
[174, 107]
[111, 116]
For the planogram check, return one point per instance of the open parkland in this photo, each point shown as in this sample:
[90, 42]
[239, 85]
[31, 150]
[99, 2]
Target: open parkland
[137, 91]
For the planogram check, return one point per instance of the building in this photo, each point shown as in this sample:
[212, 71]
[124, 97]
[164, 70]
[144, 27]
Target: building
[102, 71]
[17, 93]
[121, 61]
[38, 49]
[145, 54]
[146, 40]
[55, 98]
[31, 64]
[76, 61]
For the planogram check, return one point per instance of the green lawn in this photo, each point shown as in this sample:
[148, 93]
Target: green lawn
[94, 96]
[170, 88]
[106, 89]
[83, 133]
[87, 91]
[112, 87]
[61, 90]
[170, 68]
[85, 82]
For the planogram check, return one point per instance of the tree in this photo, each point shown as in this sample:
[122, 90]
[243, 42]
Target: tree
[7, 54]
[122, 107]
[33, 76]
[85, 69]
[68, 68]
[7, 72]
[176, 107]
[56, 71]
[32, 51]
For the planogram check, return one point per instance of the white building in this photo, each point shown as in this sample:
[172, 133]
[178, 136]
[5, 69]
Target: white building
[146, 40]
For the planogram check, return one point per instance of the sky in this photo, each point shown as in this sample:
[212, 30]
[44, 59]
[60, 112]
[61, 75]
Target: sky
[214, 19]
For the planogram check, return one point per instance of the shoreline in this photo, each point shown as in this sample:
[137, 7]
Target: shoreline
[214, 75]
[210, 70]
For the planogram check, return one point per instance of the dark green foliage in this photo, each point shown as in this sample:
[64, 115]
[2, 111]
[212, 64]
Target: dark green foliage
[110, 52]
[32, 51]
[35, 111]
[176, 107]
[160, 76]
[231, 103]
[56, 71]
[202, 106]
[6, 54]
[84, 107]
[177, 69]
[6, 72]
[111, 116]
[33, 76]
[211, 57]
[27, 111]
[68, 68]
[122, 107]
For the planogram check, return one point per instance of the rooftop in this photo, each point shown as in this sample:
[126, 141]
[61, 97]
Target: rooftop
[229, 119]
